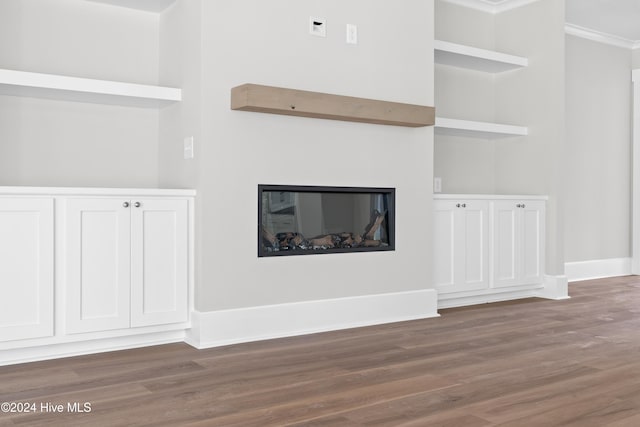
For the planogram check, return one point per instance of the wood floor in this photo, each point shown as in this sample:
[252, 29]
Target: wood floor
[527, 363]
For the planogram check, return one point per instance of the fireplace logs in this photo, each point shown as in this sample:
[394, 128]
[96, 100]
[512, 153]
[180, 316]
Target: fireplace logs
[288, 241]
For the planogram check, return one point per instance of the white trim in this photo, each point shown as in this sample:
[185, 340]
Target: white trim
[473, 58]
[555, 287]
[451, 300]
[218, 328]
[635, 178]
[78, 191]
[449, 196]
[491, 7]
[456, 127]
[597, 269]
[68, 88]
[600, 37]
[92, 346]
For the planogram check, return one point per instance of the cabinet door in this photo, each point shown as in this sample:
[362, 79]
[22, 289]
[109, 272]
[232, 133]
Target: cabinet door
[160, 261]
[518, 243]
[97, 264]
[505, 243]
[461, 246]
[26, 268]
[533, 238]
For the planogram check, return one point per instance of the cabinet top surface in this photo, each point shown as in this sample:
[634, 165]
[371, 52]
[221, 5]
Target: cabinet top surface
[442, 196]
[90, 191]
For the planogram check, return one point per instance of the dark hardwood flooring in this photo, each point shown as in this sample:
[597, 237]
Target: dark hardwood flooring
[525, 363]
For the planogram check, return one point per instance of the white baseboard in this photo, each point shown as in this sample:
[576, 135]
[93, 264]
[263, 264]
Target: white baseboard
[597, 269]
[218, 328]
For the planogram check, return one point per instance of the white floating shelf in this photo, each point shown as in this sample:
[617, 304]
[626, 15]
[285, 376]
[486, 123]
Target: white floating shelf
[468, 128]
[472, 58]
[51, 86]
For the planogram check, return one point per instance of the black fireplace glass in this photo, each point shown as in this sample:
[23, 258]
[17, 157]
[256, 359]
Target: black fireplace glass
[304, 220]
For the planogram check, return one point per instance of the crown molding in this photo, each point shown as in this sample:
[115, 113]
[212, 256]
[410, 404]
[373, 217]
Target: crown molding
[598, 36]
[489, 6]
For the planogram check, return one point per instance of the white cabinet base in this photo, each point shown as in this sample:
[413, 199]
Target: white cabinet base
[78, 345]
[488, 296]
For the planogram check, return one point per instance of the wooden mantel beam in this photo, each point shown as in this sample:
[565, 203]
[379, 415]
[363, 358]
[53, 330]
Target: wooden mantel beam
[292, 102]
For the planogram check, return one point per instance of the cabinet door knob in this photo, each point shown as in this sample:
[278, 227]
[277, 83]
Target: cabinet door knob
[523, 205]
[137, 204]
[457, 205]
[125, 204]
[464, 205]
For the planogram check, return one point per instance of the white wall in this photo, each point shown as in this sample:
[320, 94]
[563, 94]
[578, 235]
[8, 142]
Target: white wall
[535, 97]
[55, 143]
[240, 150]
[635, 58]
[598, 161]
[465, 165]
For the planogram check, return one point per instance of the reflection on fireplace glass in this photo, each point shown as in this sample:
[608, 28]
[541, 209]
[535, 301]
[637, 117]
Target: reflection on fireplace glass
[300, 220]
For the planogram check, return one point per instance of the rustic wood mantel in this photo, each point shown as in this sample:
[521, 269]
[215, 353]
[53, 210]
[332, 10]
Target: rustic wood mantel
[292, 102]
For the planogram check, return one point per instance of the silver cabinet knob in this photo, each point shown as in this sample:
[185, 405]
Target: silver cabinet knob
[137, 204]
[125, 204]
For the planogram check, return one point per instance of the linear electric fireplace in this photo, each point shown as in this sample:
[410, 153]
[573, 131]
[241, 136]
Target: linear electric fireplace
[302, 220]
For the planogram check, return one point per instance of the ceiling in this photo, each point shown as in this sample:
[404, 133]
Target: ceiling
[612, 21]
[617, 18]
[147, 5]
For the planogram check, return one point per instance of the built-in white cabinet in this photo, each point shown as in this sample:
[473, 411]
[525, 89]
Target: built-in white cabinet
[113, 267]
[126, 263]
[487, 248]
[26, 267]
[461, 233]
[518, 241]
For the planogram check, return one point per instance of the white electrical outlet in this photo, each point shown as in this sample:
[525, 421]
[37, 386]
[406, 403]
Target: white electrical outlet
[437, 184]
[352, 34]
[188, 148]
[317, 26]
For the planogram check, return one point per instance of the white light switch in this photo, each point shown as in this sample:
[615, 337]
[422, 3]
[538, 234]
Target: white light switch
[352, 34]
[188, 147]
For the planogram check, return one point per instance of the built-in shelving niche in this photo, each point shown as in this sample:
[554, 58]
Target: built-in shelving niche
[52, 86]
[482, 60]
